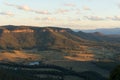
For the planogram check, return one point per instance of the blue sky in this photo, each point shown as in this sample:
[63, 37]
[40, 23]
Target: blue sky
[75, 14]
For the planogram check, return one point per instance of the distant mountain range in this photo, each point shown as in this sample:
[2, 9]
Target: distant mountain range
[105, 30]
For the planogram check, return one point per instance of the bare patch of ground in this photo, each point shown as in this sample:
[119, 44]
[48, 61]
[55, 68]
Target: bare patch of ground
[17, 56]
[81, 57]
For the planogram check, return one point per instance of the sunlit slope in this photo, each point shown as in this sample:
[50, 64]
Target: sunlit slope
[17, 56]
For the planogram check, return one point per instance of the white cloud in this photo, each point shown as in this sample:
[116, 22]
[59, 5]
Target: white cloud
[7, 13]
[70, 5]
[78, 11]
[62, 11]
[115, 18]
[46, 18]
[24, 7]
[118, 5]
[27, 8]
[49, 19]
[86, 8]
[41, 12]
[73, 19]
[94, 18]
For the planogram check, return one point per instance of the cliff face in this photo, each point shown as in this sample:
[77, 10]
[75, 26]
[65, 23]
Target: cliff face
[17, 39]
[17, 31]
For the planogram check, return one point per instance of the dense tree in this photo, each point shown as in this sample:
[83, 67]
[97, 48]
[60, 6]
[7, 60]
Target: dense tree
[115, 74]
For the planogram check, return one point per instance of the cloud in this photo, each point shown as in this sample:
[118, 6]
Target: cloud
[46, 18]
[94, 18]
[77, 19]
[115, 18]
[49, 19]
[7, 13]
[118, 5]
[41, 12]
[72, 19]
[62, 11]
[78, 11]
[98, 18]
[86, 8]
[27, 8]
[22, 7]
[70, 5]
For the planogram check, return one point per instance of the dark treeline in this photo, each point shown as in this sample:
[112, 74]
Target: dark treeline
[32, 71]
[50, 72]
[115, 74]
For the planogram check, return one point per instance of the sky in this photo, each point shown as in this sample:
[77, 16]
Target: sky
[74, 14]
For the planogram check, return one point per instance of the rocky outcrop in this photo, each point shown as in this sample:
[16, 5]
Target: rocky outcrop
[17, 31]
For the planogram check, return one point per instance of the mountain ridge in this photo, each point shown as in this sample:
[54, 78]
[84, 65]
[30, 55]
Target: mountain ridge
[107, 31]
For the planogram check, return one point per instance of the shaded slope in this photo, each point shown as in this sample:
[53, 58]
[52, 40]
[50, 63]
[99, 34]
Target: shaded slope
[97, 36]
[57, 40]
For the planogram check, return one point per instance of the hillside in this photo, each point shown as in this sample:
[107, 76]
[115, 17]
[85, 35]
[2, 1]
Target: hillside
[59, 40]
[24, 37]
[98, 36]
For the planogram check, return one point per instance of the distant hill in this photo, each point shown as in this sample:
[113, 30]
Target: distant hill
[105, 30]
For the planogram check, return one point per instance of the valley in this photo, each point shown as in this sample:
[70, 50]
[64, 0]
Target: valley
[82, 54]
